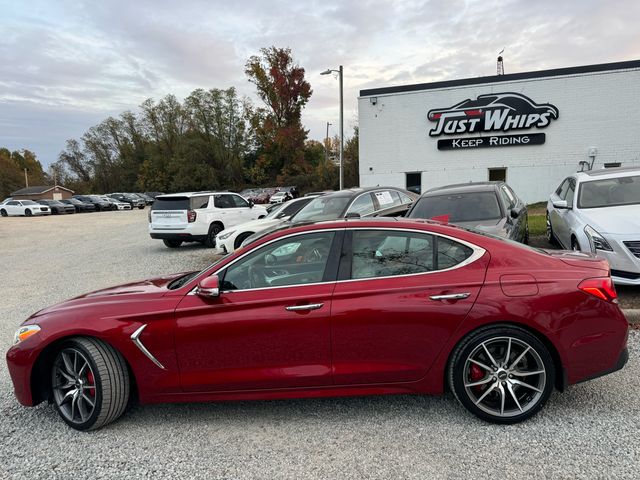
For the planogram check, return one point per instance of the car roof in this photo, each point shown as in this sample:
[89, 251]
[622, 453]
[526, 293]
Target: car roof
[352, 192]
[464, 188]
[191, 194]
[609, 172]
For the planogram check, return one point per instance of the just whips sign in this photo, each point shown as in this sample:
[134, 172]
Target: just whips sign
[495, 112]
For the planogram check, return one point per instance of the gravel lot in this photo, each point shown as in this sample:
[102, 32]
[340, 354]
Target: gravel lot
[589, 431]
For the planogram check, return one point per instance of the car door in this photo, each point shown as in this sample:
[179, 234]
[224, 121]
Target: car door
[270, 326]
[244, 209]
[513, 224]
[14, 208]
[556, 215]
[563, 216]
[402, 295]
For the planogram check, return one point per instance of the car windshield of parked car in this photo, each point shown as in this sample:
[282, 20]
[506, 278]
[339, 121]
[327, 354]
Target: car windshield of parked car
[322, 208]
[610, 192]
[460, 207]
[273, 213]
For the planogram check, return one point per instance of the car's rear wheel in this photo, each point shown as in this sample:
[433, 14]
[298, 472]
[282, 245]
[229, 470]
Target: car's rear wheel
[172, 243]
[502, 374]
[4, 213]
[214, 229]
[241, 238]
[575, 246]
[89, 383]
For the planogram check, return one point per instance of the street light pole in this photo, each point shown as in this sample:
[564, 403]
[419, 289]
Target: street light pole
[326, 145]
[340, 76]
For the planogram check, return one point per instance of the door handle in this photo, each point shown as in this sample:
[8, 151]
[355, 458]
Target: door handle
[298, 308]
[450, 296]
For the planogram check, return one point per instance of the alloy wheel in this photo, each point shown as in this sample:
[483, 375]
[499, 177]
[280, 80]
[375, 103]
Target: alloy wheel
[504, 377]
[74, 386]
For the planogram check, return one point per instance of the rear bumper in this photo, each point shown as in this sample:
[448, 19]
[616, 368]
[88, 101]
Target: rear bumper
[185, 237]
[622, 361]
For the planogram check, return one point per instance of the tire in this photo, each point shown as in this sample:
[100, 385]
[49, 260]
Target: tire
[214, 229]
[97, 374]
[172, 243]
[28, 213]
[550, 235]
[482, 387]
[575, 245]
[4, 213]
[241, 238]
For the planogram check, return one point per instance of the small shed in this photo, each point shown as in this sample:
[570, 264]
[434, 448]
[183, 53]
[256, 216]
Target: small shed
[55, 192]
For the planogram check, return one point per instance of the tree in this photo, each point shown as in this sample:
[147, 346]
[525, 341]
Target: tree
[350, 160]
[283, 89]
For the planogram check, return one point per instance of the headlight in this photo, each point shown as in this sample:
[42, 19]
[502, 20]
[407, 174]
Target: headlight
[224, 236]
[25, 332]
[596, 240]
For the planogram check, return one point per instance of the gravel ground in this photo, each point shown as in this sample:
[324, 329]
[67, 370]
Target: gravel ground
[587, 432]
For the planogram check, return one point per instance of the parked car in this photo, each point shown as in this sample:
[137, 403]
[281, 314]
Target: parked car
[358, 307]
[153, 194]
[147, 199]
[26, 208]
[80, 206]
[280, 196]
[134, 201]
[99, 203]
[491, 207]
[57, 207]
[357, 202]
[231, 238]
[198, 216]
[599, 212]
[116, 204]
[6, 200]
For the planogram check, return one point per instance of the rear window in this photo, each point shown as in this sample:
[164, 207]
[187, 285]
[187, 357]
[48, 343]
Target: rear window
[180, 203]
[460, 207]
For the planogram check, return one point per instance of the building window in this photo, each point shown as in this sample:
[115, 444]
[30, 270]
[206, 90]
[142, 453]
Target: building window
[414, 182]
[612, 165]
[497, 174]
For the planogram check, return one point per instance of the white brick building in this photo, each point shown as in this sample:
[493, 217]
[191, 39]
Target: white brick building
[598, 122]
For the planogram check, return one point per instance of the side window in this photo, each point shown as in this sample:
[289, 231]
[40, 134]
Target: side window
[510, 196]
[508, 201]
[405, 198]
[388, 253]
[290, 208]
[199, 202]
[570, 191]
[451, 253]
[13, 203]
[223, 201]
[363, 205]
[387, 199]
[239, 202]
[561, 191]
[297, 260]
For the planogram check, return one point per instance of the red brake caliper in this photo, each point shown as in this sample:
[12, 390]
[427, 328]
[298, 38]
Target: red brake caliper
[476, 374]
[92, 382]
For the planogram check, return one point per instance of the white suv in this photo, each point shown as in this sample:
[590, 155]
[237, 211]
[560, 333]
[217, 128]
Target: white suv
[198, 216]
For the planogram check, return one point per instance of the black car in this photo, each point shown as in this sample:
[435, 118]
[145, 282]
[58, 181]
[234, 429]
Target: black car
[147, 199]
[99, 203]
[79, 205]
[490, 207]
[57, 207]
[132, 200]
[153, 194]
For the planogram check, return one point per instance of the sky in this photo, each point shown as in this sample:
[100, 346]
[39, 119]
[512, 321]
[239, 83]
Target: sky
[67, 65]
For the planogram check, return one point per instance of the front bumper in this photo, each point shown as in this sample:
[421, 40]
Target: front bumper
[625, 266]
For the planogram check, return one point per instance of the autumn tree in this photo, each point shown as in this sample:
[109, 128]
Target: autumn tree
[281, 137]
[350, 160]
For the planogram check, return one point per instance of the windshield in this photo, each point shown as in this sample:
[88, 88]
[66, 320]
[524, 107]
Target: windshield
[322, 208]
[183, 280]
[610, 192]
[460, 207]
[273, 213]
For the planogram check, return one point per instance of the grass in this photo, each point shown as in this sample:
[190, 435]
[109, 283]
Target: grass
[537, 225]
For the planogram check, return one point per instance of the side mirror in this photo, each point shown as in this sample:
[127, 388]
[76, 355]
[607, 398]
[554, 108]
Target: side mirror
[352, 215]
[209, 287]
[561, 204]
[514, 213]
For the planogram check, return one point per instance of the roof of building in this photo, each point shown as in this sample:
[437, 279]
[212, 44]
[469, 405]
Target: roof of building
[38, 190]
[556, 72]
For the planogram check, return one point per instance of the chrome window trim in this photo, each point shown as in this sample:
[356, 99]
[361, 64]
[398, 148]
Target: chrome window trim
[478, 252]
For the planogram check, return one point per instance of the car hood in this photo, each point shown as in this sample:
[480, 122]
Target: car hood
[494, 226]
[624, 219]
[120, 293]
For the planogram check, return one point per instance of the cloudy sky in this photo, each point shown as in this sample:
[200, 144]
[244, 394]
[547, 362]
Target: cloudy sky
[66, 65]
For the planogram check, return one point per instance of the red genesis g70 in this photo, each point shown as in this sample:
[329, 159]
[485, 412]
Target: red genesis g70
[349, 307]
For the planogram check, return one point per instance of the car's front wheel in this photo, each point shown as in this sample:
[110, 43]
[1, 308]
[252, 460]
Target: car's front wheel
[28, 213]
[550, 236]
[502, 374]
[89, 383]
[214, 229]
[241, 238]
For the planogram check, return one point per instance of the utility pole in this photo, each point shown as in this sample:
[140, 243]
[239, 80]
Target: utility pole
[341, 131]
[326, 145]
[26, 179]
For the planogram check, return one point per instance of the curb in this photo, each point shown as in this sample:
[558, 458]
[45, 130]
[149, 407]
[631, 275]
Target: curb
[633, 315]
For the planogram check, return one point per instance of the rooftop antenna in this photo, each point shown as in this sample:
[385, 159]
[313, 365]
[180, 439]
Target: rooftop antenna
[500, 63]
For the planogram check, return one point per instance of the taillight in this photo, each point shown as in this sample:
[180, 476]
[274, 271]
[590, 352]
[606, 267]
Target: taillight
[601, 287]
[191, 216]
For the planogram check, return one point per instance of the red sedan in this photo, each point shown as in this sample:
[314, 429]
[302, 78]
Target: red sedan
[349, 307]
